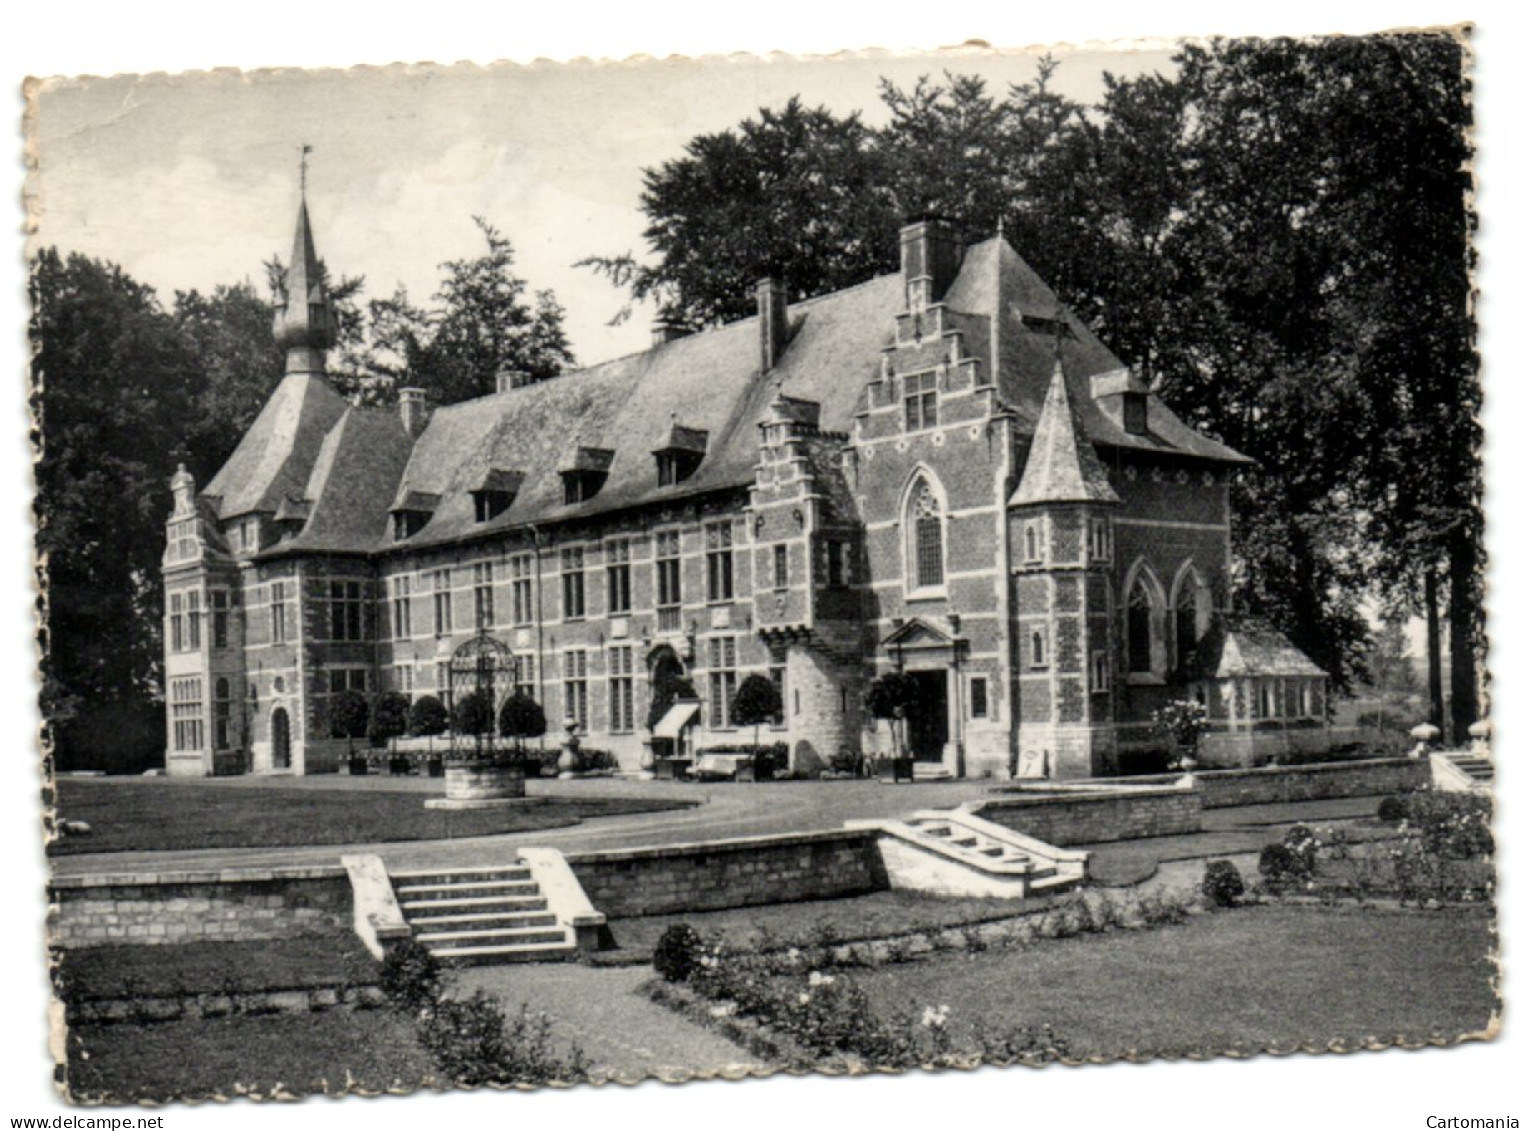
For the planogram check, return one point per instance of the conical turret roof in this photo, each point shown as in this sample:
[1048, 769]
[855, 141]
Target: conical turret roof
[305, 320]
[1062, 466]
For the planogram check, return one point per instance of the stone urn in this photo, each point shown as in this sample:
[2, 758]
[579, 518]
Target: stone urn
[481, 785]
[1425, 735]
[646, 761]
[569, 762]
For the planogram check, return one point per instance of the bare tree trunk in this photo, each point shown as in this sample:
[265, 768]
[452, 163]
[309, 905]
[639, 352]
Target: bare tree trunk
[1463, 615]
[1432, 619]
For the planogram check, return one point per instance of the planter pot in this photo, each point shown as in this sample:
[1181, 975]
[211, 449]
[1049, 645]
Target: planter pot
[435, 768]
[478, 782]
[358, 766]
[398, 765]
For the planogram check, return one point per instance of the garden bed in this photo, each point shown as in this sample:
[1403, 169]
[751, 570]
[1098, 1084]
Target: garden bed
[333, 1052]
[814, 922]
[147, 816]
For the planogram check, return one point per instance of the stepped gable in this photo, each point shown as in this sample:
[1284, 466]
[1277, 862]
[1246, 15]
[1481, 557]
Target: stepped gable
[710, 381]
[1245, 646]
[276, 456]
[1062, 466]
[996, 282]
[354, 479]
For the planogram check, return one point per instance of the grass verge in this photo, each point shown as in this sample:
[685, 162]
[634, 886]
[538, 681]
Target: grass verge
[148, 816]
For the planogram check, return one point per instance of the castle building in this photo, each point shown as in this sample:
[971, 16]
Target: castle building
[939, 471]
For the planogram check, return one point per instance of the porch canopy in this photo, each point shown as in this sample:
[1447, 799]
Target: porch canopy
[676, 719]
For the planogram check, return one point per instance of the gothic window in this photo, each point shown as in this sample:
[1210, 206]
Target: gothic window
[927, 549]
[1192, 614]
[1032, 543]
[1139, 628]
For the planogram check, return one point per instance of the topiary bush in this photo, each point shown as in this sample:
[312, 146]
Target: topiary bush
[410, 976]
[427, 717]
[1392, 810]
[1222, 884]
[678, 953]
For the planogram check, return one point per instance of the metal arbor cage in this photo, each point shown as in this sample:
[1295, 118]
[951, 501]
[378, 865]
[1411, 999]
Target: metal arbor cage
[485, 667]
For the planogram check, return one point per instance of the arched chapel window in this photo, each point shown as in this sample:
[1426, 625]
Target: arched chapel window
[1139, 628]
[1185, 625]
[928, 551]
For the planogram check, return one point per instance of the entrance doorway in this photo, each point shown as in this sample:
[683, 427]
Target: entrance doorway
[928, 724]
[281, 740]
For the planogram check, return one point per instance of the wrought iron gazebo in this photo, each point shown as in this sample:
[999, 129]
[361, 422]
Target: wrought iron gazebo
[481, 671]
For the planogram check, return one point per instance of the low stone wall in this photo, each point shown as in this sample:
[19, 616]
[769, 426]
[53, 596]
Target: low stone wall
[1064, 817]
[717, 875]
[1267, 785]
[248, 1003]
[182, 907]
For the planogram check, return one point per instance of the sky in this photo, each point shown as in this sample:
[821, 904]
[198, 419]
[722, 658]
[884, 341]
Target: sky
[187, 182]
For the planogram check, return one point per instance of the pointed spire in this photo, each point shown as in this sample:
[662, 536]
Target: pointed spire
[1062, 466]
[305, 321]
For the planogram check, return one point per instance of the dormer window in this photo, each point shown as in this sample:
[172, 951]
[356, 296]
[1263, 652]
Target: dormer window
[585, 474]
[680, 454]
[494, 493]
[411, 511]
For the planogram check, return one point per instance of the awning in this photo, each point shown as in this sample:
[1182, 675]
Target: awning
[676, 719]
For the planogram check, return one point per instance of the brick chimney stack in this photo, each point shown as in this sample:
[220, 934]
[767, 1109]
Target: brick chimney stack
[771, 294]
[414, 409]
[932, 255]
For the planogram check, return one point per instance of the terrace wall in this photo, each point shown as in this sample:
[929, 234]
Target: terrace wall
[716, 875]
[1267, 785]
[207, 906]
[1065, 817]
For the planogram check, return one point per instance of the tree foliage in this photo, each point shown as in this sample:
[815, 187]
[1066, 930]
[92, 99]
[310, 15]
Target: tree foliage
[473, 714]
[1274, 232]
[349, 715]
[521, 718]
[390, 717]
[756, 701]
[427, 717]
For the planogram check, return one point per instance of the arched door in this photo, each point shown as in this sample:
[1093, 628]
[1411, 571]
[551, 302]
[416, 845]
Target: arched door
[281, 740]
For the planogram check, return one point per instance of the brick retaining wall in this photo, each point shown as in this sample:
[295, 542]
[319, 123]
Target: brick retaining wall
[1265, 785]
[1091, 817]
[182, 907]
[720, 874]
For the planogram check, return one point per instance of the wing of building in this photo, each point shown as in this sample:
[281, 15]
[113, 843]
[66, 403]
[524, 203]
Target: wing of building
[938, 471]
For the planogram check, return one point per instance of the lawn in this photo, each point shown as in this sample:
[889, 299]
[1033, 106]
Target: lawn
[136, 816]
[334, 1051]
[1257, 978]
[217, 967]
[879, 915]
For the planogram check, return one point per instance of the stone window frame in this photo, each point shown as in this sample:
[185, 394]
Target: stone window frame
[1099, 671]
[923, 483]
[620, 684]
[1033, 542]
[720, 560]
[1187, 583]
[484, 616]
[1142, 574]
[921, 401]
[572, 588]
[1099, 540]
[618, 554]
[979, 705]
[1037, 652]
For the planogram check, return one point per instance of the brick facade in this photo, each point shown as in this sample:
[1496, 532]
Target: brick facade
[871, 526]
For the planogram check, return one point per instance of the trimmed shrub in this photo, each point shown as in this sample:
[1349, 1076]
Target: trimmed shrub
[473, 714]
[1392, 810]
[521, 718]
[390, 717]
[410, 976]
[1222, 884]
[427, 717]
[678, 953]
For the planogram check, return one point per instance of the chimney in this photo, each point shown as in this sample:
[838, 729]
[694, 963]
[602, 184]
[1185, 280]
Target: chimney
[507, 379]
[666, 331]
[932, 255]
[414, 411]
[771, 294]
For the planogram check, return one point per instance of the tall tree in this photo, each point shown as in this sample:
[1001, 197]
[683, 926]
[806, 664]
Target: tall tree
[112, 381]
[797, 194]
[484, 325]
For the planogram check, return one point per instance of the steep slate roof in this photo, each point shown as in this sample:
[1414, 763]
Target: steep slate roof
[1247, 647]
[707, 383]
[994, 280]
[353, 481]
[1062, 466]
[276, 455]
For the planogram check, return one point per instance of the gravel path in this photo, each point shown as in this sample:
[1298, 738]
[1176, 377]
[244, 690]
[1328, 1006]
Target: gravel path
[626, 1037]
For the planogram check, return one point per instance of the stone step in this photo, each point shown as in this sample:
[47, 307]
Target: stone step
[492, 936]
[495, 955]
[487, 903]
[417, 892]
[481, 919]
[462, 875]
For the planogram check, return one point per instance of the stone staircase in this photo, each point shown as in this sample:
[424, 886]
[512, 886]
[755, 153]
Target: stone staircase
[953, 852]
[479, 916]
[1478, 767]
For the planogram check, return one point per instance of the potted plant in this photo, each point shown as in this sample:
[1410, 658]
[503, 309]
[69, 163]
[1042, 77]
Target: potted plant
[349, 716]
[521, 718]
[1183, 721]
[894, 696]
[756, 701]
[390, 720]
[428, 718]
